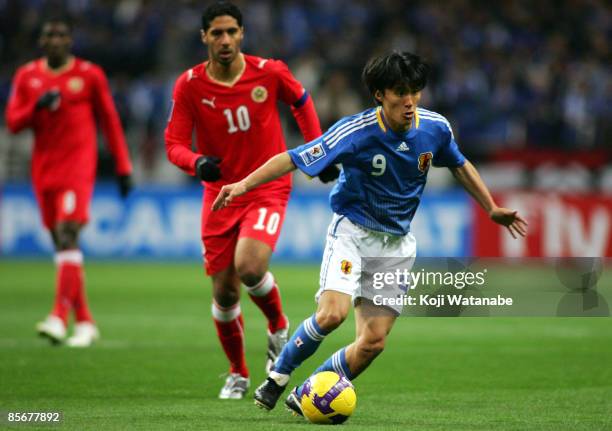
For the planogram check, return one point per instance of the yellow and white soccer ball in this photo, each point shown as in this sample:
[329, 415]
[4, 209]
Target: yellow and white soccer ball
[328, 398]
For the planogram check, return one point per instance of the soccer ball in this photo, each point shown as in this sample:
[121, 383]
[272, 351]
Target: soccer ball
[328, 398]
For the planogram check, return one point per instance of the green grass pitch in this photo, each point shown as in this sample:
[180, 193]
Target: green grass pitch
[158, 363]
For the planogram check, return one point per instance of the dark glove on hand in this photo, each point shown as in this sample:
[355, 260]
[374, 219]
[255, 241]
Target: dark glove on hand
[328, 174]
[207, 168]
[50, 100]
[125, 185]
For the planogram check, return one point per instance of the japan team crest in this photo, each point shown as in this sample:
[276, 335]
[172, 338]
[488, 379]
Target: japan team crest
[346, 267]
[425, 161]
[259, 94]
[76, 84]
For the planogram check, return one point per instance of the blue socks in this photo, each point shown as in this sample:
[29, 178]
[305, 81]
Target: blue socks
[302, 344]
[337, 363]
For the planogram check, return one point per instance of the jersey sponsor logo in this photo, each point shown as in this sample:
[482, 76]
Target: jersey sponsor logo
[425, 161]
[403, 147]
[346, 267]
[259, 94]
[312, 154]
[76, 84]
[209, 102]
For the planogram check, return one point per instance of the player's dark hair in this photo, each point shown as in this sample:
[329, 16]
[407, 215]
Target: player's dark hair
[397, 69]
[219, 9]
[58, 18]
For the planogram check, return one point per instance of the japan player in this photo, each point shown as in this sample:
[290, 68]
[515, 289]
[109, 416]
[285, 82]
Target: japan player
[60, 97]
[385, 154]
[231, 102]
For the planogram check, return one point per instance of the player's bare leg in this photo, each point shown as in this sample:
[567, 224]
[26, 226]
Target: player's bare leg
[332, 309]
[373, 324]
[229, 323]
[251, 260]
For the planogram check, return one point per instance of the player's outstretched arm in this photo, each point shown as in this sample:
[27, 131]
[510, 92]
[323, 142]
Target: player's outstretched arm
[470, 179]
[277, 166]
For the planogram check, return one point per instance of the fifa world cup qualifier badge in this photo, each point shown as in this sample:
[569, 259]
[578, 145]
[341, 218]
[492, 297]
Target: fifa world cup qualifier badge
[259, 94]
[312, 154]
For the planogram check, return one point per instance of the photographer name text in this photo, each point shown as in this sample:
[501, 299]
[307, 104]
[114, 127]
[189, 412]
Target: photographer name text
[441, 300]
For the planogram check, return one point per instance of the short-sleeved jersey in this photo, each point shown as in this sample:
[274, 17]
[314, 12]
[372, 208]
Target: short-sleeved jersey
[238, 123]
[65, 148]
[383, 172]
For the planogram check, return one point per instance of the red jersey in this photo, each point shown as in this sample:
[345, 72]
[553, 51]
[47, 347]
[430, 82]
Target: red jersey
[238, 123]
[65, 150]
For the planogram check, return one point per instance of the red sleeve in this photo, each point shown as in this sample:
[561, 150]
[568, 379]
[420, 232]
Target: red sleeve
[19, 109]
[307, 119]
[291, 92]
[180, 129]
[110, 123]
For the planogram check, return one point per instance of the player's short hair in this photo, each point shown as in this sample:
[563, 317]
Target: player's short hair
[397, 69]
[220, 8]
[58, 18]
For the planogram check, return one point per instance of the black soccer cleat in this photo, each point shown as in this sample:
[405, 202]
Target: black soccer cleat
[293, 403]
[268, 393]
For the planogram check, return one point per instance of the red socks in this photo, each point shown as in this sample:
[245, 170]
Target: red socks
[266, 296]
[70, 290]
[229, 324]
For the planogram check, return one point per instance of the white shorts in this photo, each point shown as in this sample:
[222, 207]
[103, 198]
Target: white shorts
[346, 244]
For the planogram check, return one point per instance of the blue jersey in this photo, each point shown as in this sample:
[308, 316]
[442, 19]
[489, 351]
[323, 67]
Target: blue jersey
[383, 172]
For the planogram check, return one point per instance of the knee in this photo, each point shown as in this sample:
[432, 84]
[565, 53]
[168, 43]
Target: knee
[371, 346]
[225, 293]
[329, 320]
[66, 236]
[250, 272]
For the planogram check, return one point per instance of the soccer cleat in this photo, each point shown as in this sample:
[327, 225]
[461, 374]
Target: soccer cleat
[293, 403]
[268, 393]
[85, 333]
[276, 342]
[235, 387]
[53, 328]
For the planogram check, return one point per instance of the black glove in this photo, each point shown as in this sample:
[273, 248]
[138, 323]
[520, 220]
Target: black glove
[207, 168]
[125, 185]
[328, 174]
[50, 100]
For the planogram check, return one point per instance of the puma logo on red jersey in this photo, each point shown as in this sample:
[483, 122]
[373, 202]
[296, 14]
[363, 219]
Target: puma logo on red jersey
[209, 102]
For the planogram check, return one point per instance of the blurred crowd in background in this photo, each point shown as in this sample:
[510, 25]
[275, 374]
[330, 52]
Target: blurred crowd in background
[517, 79]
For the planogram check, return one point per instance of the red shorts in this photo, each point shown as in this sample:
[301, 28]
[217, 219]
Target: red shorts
[260, 219]
[64, 204]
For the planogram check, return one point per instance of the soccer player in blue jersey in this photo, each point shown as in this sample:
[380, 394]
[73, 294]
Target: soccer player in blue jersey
[385, 154]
